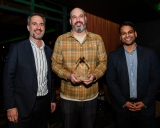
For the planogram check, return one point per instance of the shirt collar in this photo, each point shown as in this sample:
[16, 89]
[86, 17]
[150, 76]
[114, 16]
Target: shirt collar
[70, 34]
[34, 43]
[133, 49]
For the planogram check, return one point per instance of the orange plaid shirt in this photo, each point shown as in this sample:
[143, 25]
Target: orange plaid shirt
[67, 51]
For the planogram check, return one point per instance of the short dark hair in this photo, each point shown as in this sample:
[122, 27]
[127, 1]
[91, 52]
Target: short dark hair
[35, 14]
[127, 23]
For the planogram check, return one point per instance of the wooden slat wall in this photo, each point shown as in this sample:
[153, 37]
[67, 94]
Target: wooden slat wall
[106, 29]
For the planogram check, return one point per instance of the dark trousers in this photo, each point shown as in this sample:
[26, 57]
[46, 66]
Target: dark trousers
[135, 120]
[78, 114]
[37, 118]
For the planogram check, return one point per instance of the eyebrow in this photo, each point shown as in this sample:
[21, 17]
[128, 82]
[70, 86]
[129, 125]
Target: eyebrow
[79, 15]
[127, 31]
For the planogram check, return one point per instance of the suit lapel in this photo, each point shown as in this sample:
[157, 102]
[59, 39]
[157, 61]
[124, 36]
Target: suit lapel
[122, 57]
[48, 58]
[30, 55]
[140, 57]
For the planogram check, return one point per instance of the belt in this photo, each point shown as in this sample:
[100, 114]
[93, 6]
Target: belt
[40, 97]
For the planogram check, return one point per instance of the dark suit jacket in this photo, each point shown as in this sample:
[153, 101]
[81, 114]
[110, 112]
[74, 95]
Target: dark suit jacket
[148, 78]
[20, 78]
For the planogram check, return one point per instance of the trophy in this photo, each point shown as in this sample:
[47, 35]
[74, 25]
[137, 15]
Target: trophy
[82, 69]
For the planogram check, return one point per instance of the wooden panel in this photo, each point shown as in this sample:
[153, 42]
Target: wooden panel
[106, 29]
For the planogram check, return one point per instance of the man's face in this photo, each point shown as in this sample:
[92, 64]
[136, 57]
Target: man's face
[78, 20]
[36, 27]
[127, 35]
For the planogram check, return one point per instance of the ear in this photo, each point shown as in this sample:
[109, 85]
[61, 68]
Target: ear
[28, 28]
[85, 19]
[70, 21]
[135, 33]
[120, 37]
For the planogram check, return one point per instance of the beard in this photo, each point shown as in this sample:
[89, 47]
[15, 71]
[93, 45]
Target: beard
[36, 37]
[79, 29]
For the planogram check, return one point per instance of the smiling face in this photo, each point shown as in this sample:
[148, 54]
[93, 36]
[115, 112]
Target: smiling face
[36, 27]
[127, 35]
[78, 20]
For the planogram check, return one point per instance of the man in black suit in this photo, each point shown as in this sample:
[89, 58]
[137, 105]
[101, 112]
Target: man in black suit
[133, 74]
[28, 79]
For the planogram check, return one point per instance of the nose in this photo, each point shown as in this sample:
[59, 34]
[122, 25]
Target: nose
[38, 26]
[127, 34]
[78, 19]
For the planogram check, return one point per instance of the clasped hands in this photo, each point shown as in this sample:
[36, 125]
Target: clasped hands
[137, 106]
[73, 78]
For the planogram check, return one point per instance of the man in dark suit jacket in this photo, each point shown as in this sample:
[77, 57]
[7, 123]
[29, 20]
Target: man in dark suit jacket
[28, 79]
[133, 77]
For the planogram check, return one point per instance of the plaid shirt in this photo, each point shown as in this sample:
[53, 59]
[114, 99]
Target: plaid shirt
[67, 51]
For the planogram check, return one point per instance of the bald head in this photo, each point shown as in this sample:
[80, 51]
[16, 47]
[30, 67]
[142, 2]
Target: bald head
[75, 11]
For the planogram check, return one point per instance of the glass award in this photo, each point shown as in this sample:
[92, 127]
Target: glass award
[82, 69]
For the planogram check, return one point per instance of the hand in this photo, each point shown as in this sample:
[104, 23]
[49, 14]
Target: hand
[53, 107]
[73, 78]
[139, 105]
[12, 115]
[130, 106]
[90, 80]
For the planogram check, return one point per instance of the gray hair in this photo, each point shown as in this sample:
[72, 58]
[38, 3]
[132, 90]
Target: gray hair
[35, 14]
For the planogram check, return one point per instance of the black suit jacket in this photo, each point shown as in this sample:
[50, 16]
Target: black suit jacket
[148, 78]
[20, 78]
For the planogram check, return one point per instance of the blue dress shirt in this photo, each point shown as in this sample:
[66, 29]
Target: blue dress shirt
[131, 59]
